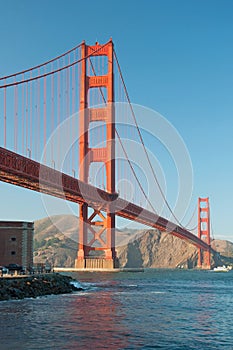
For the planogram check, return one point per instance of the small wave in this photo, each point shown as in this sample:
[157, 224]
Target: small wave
[77, 284]
[85, 286]
[83, 293]
[132, 286]
[89, 286]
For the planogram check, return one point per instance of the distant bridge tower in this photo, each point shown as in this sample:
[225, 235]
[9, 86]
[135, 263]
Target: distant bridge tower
[204, 232]
[91, 239]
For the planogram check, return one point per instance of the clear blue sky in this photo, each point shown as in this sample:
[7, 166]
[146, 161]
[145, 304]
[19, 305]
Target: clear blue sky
[176, 57]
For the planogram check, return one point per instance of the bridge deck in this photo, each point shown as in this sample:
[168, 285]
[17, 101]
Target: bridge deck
[21, 171]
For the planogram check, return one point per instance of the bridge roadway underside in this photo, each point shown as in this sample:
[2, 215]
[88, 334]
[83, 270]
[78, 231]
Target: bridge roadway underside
[21, 171]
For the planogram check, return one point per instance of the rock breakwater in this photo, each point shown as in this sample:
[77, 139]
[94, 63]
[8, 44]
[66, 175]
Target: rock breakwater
[35, 286]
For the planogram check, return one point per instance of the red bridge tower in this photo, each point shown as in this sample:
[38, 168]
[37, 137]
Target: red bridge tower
[90, 239]
[204, 232]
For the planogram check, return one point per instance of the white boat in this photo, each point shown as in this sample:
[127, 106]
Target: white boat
[222, 268]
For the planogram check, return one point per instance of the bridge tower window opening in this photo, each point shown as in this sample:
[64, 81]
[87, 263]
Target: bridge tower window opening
[203, 226]
[97, 65]
[97, 96]
[204, 214]
[97, 134]
[97, 175]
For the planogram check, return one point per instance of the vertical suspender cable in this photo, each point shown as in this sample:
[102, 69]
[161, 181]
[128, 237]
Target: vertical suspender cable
[26, 119]
[68, 110]
[58, 115]
[16, 134]
[73, 87]
[73, 120]
[79, 73]
[5, 117]
[31, 109]
[22, 115]
[52, 126]
[68, 89]
[45, 125]
[15, 116]
[38, 114]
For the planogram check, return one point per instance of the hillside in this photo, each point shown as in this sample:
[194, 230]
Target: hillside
[157, 250]
[56, 241]
[224, 250]
[162, 250]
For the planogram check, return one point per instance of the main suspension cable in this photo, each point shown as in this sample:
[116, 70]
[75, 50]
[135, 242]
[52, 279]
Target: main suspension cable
[42, 64]
[52, 72]
[143, 144]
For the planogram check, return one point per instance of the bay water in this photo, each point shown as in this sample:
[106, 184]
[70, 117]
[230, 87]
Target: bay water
[154, 309]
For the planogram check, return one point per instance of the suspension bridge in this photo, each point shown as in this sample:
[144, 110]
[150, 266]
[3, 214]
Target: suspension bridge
[60, 135]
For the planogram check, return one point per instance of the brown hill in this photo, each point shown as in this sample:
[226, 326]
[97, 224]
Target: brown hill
[224, 251]
[158, 250]
[162, 250]
[56, 241]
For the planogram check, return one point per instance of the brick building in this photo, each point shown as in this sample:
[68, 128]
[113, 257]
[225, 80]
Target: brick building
[16, 243]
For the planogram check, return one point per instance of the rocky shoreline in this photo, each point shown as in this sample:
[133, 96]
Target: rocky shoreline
[34, 286]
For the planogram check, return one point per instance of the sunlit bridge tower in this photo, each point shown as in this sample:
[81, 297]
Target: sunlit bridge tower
[36, 104]
[97, 230]
[204, 232]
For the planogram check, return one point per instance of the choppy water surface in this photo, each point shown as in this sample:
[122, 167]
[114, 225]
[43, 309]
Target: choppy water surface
[151, 310]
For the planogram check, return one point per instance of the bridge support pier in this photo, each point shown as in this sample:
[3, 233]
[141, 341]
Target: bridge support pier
[96, 263]
[97, 230]
[204, 256]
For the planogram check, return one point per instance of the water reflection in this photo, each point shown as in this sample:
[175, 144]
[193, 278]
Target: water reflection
[89, 320]
[94, 322]
[179, 310]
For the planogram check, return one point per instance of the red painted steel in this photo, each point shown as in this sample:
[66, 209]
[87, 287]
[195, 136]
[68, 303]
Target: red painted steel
[64, 67]
[90, 155]
[21, 171]
[204, 232]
